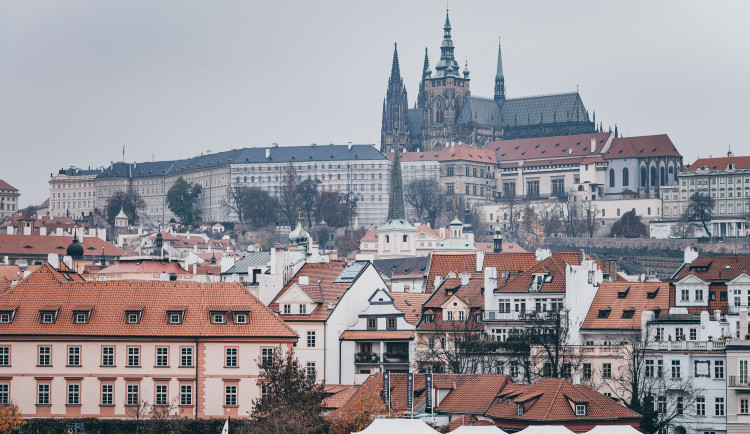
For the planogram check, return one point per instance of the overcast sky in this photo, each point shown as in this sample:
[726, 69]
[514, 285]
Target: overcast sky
[171, 79]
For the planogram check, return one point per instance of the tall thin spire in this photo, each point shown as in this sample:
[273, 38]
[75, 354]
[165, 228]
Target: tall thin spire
[499, 77]
[395, 70]
[396, 207]
[425, 74]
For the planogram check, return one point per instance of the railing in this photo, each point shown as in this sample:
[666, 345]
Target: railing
[366, 358]
[735, 381]
[395, 358]
[687, 345]
[735, 310]
[600, 350]
[532, 315]
[387, 358]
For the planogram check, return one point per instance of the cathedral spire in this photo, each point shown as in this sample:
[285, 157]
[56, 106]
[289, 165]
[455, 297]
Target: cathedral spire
[425, 74]
[447, 66]
[499, 77]
[426, 66]
[395, 70]
[396, 207]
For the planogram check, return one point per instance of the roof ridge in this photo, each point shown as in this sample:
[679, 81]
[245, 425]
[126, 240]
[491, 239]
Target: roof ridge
[554, 398]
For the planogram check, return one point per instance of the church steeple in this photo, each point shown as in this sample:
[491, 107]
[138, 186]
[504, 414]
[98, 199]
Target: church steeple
[426, 73]
[447, 66]
[499, 77]
[395, 106]
[396, 207]
[395, 70]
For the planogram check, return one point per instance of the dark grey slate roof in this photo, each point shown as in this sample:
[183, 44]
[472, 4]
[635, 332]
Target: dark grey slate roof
[279, 154]
[481, 111]
[414, 118]
[531, 110]
[251, 259]
[78, 172]
[401, 266]
[547, 109]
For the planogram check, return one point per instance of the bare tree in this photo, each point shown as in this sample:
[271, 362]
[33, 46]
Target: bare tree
[569, 208]
[138, 412]
[427, 199]
[288, 199]
[589, 216]
[552, 354]
[308, 194]
[550, 219]
[645, 386]
[232, 203]
[683, 228]
[700, 208]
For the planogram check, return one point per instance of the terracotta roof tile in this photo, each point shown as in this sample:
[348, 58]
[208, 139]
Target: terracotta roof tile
[46, 244]
[410, 303]
[143, 266]
[442, 264]
[5, 186]
[48, 288]
[715, 268]
[718, 163]
[625, 299]
[340, 395]
[548, 147]
[642, 147]
[331, 292]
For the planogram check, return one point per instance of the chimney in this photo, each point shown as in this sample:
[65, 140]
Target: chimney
[490, 279]
[646, 317]
[576, 377]
[304, 280]
[54, 260]
[717, 315]
[349, 146]
[542, 254]
[593, 145]
[480, 261]
[436, 283]
[583, 255]
[27, 230]
[465, 277]
[691, 254]
[268, 153]
[743, 323]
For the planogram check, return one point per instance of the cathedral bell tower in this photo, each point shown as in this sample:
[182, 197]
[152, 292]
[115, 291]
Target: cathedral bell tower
[444, 93]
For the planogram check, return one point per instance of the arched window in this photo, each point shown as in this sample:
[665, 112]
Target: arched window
[611, 177]
[653, 176]
[625, 177]
[618, 213]
[580, 188]
[404, 238]
[644, 177]
[662, 176]
[387, 239]
[671, 170]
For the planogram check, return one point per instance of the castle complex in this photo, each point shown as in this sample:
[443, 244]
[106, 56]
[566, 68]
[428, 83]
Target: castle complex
[446, 111]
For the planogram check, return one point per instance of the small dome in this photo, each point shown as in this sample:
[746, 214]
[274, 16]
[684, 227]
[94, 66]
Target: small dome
[299, 235]
[75, 249]
[457, 222]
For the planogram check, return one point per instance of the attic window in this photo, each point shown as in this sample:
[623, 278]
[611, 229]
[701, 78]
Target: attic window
[133, 316]
[81, 316]
[623, 294]
[652, 294]
[47, 316]
[727, 267]
[580, 409]
[175, 316]
[628, 313]
[218, 317]
[241, 317]
[520, 410]
[603, 313]
[6, 316]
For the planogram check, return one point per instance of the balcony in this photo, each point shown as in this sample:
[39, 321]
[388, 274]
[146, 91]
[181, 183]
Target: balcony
[687, 345]
[372, 358]
[532, 315]
[366, 358]
[741, 381]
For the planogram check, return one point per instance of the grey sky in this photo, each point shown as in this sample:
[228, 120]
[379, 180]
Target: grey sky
[172, 79]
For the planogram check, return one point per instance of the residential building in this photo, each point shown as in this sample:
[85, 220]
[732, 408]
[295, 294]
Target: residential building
[426, 240]
[8, 200]
[446, 111]
[320, 302]
[469, 172]
[380, 340]
[738, 385]
[25, 250]
[72, 349]
[72, 192]
[727, 181]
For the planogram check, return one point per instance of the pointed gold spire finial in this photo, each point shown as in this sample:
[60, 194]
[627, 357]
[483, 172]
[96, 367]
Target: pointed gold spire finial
[447, 6]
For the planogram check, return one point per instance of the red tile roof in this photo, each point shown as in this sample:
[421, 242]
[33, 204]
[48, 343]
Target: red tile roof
[50, 289]
[643, 147]
[467, 153]
[553, 400]
[619, 297]
[410, 303]
[5, 186]
[354, 335]
[415, 156]
[715, 268]
[41, 245]
[718, 163]
[553, 267]
[442, 264]
[548, 147]
[143, 266]
[371, 236]
[326, 292]
[340, 395]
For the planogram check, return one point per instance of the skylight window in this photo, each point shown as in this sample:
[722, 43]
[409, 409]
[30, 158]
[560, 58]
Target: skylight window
[603, 314]
[628, 314]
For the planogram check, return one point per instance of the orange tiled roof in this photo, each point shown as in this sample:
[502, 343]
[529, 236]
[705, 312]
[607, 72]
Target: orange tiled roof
[322, 294]
[44, 245]
[553, 267]
[410, 303]
[718, 163]
[50, 289]
[553, 399]
[370, 236]
[715, 268]
[618, 297]
[471, 293]
[442, 264]
[143, 266]
[340, 395]
[467, 153]
[5, 186]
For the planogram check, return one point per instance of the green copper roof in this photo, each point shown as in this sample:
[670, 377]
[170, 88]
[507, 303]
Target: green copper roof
[299, 235]
[447, 65]
[121, 214]
[499, 77]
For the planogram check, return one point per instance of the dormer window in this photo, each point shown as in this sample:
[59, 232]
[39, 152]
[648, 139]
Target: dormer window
[428, 318]
[623, 294]
[81, 316]
[537, 282]
[6, 316]
[603, 313]
[372, 323]
[519, 412]
[48, 316]
[580, 409]
[287, 309]
[628, 314]
[241, 317]
[218, 317]
[652, 294]
[175, 316]
[303, 309]
[133, 316]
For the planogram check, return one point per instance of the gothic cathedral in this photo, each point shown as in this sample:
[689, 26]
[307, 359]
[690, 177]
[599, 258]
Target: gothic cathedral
[446, 112]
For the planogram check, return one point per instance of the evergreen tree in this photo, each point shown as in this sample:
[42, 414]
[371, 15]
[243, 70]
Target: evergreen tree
[181, 199]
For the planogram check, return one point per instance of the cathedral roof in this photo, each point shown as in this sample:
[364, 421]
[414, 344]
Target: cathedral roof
[414, 119]
[482, 111]
[547, 109]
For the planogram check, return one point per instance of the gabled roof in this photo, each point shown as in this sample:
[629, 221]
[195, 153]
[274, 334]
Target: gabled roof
[618, 297]
[322, 293]
[410, 303]
[718, 163]
[143, 266]
[553, 400]
[109, 300]
[546, 148]
[442, 264]
[471, 294]
[463, 152]
[5, 186]
[45, 244]
[642, 147]
[543, 109]
[714, 268]
[250, 260]
[552, 267]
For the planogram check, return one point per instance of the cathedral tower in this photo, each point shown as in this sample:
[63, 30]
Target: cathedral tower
[395, 107]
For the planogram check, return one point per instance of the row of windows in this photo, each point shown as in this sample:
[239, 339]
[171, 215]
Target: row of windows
[133, 355]
[131, 317]
[132, 394]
